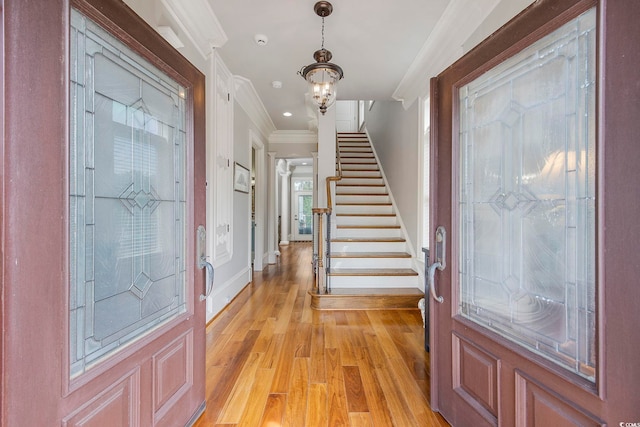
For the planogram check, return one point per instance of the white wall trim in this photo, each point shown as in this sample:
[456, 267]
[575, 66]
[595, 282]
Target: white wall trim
[443, 47]
[169, 35]
[422, 212]
[225, 292]
[197, 20]
[260, 200]
[293, 137]
[250, 102]
[272, 216]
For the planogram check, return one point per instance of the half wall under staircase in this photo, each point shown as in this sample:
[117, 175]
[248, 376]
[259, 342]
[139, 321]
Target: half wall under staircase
[369, 264]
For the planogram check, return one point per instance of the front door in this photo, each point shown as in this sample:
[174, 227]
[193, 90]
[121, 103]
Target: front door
[302, 202]
[535, 152]
[303, 219]
[104, 189]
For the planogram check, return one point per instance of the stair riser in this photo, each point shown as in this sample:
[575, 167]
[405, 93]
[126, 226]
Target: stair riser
[367, 232]
[373, 199]
[344, 189]
[369, 246]
[347, 154]
[349, 148]
[360, 166]
[359, 161]
[367, 220]
[374, 282]
[358, 174]
[364, 209]
[370, 263]
[349, 181]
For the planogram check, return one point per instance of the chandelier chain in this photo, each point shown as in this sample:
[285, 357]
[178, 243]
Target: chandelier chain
[322, 47]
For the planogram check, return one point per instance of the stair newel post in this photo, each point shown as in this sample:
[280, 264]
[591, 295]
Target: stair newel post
[328, 276]
[314, 248]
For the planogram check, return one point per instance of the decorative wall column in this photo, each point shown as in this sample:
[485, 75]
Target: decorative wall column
[272, 216]
[285, 173]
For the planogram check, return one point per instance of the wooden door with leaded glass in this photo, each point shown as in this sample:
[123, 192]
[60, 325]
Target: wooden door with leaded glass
[520, 335]
[120, 341]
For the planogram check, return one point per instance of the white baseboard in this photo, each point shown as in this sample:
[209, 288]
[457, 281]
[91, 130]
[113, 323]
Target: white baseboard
[224, 293]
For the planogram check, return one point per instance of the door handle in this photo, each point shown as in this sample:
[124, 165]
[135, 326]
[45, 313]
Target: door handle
[209, 287]
[432, 288]
[202, 261]
[440, 262]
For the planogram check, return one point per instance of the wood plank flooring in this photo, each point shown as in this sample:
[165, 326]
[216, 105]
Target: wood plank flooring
[273, 361]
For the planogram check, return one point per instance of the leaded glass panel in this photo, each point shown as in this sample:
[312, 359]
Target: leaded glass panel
[127, 196]
[528, 198]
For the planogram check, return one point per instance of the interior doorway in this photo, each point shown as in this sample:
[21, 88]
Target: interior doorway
[301, 205]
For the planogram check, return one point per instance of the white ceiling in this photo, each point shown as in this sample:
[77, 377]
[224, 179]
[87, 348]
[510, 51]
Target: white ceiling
[374, 41]
[388, 50]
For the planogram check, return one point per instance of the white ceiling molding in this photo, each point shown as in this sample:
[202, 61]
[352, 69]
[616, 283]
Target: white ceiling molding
[250, 102]
[197, 20]
[443, 47]
[169, 35]
[293, 137]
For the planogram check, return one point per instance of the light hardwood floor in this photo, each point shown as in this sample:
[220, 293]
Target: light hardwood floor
[273, 361]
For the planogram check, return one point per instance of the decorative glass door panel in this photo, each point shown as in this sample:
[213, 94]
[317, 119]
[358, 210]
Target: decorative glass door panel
[527, 197]
[127, 196]
[302, 204]
[304, 216]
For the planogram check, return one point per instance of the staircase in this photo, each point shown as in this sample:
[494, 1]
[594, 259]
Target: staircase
[370, 266]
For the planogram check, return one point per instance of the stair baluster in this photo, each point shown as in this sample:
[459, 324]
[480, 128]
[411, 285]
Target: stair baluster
[320, 286]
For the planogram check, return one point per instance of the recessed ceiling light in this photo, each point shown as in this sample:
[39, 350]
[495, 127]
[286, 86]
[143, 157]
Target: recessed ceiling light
[287, 114]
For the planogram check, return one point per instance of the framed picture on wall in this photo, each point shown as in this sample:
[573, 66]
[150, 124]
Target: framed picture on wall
[241, 178]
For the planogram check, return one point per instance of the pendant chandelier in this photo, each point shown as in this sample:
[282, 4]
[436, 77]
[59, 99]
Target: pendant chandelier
[322, 76]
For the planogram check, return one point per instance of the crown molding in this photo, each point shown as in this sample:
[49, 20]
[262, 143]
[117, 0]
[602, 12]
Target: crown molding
[443, 47]
[250, 102]
[293, 137]
[169, 35]
[197, 20]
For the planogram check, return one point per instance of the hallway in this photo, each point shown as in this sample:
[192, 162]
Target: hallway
[273, 361]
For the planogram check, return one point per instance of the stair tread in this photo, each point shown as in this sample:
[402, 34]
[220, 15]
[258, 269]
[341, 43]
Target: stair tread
[359, 163]
[375, 291]
[361, 177]
[372, 272]
[370, 255]
[358, 184]
[368, 226]
[362, 194]
[363, 204]
[367, 214]
[368, 239]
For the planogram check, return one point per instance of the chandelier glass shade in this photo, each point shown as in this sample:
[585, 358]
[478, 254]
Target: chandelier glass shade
[322, 76]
